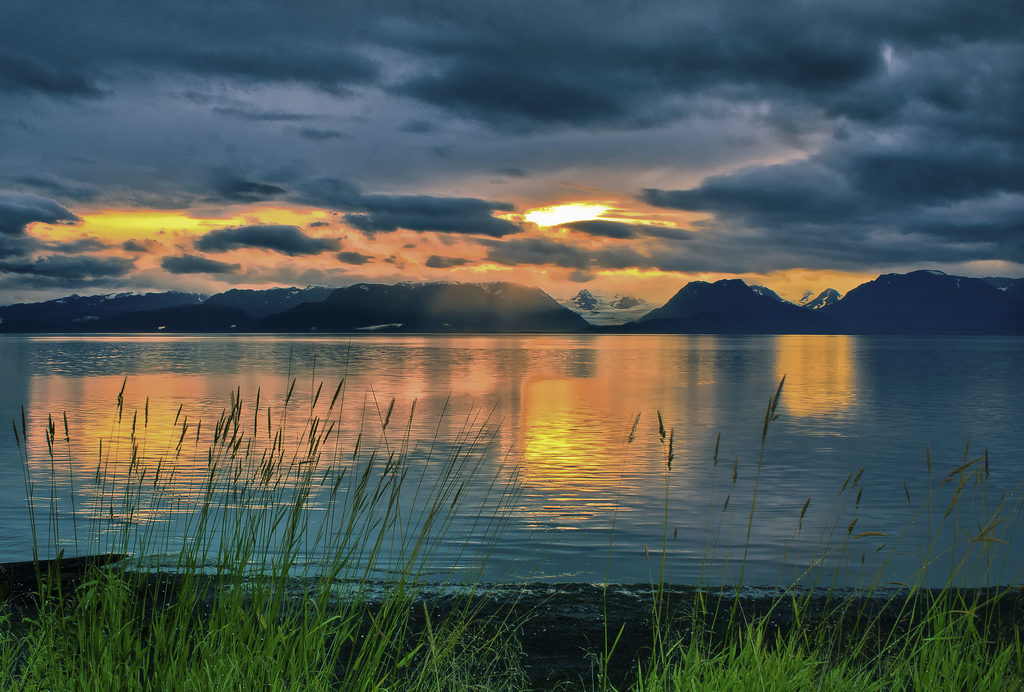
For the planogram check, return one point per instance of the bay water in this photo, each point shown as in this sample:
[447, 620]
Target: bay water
[628, 458]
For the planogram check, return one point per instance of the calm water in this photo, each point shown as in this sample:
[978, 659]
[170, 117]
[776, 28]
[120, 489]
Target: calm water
[553, 416]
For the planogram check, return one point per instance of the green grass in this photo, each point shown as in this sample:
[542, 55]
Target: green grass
[297, 560]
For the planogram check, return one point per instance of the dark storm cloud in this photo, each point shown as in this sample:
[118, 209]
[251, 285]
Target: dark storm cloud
[78, 245]
[604, 229]
[246, 191]
[284, 239]
[418, 127]
[501, 97]
[867, 204]
[19, 210]
[240, 190]
[571, 65]
[332, 193]
[57, 187]
[543, 251]
[621, 230]
[927, 166]
[581, 65]
[23, 74]
[349, 257]
[64, 267]
[14, 246]
[320, 135]
[288, 240]
[134, 246]
[250, 113]
[107, 40]
[439, 262]
[424, 213]
[385, 213]
[194, 264]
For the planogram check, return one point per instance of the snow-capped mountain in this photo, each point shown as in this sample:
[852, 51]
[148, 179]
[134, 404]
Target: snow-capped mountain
[621, 302]
[582, 301]
[823, 299]
[604, 311]
[767, 293]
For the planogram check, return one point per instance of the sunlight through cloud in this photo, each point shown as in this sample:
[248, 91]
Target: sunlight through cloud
[566, 213]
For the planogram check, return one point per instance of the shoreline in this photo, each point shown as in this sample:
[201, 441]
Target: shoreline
[561, 629]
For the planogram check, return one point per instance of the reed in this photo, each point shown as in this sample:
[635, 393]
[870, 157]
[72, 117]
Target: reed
[306, 549]
[292, 559]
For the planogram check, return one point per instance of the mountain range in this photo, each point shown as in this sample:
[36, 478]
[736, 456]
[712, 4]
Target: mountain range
[920, 302]
[601, 311]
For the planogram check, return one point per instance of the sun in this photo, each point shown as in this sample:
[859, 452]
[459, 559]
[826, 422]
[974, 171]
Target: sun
[559, 214]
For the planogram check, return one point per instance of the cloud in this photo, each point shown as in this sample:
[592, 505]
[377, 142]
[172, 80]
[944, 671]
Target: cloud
[350, 257]
[384, 213]
[251, 43]
[139, 246]
[424, 213]
[497, 93]
[439, 262]
[64, 267]
[329, 192]
[194, 264]
[288, 240]
[547, 66]
[622, 230]
[17, 211]
[926, 166]
[321, 135]
[894, 130]
[863, 203]
[17, 246]
[418, 127]
[59, 187]
[543, 251]
[604, 229]
[260, 115]
[78, 245]
[22, 74]
[244, 191]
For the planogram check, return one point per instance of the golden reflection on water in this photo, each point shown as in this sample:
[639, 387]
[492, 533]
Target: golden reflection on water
[821, 374]
[574, 461]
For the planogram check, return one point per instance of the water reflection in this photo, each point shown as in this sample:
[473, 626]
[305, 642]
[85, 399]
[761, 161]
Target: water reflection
[563, 407]
[821, 374]
[572, 471]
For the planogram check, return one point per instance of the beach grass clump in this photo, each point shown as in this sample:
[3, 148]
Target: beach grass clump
[293, 560]
[956, 624]
[343, 552]
[945, 647]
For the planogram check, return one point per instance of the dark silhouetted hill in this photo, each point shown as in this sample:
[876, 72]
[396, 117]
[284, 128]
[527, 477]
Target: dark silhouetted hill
[82, 313]
[269, 301]
[728, 306]
[927, 302]
[431, 307]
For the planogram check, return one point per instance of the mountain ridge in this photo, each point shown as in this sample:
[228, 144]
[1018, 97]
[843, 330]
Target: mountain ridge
[919, 302]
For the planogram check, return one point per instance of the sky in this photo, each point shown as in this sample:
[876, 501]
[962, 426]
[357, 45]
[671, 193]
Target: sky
[619, 146]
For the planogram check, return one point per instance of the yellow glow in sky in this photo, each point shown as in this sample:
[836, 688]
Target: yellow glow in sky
[119, 224]
[566, 213]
